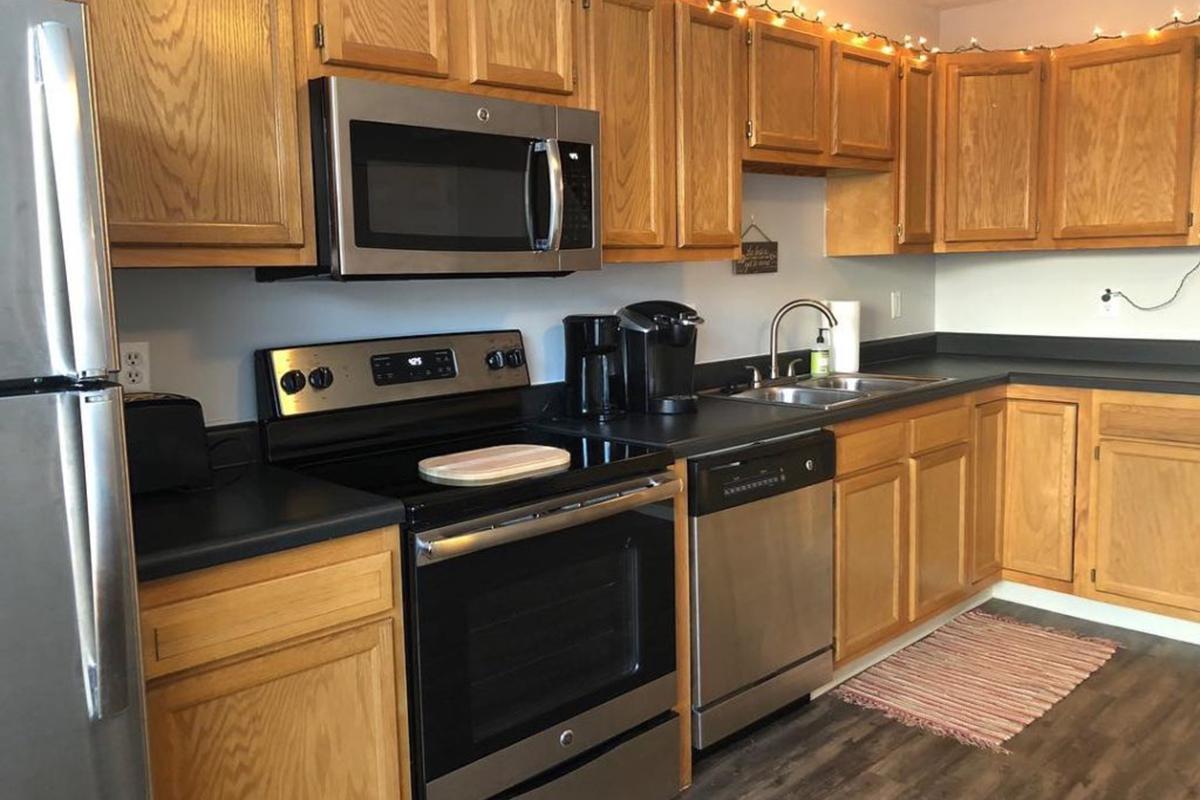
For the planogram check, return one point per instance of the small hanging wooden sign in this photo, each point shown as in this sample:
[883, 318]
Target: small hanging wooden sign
[757, 257]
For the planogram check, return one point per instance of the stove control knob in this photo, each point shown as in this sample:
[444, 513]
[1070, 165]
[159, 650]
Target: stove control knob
[320, 378]
[292, 381]
[495, 359]
[515, 358]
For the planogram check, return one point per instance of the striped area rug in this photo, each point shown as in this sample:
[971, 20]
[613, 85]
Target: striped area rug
[980, 679]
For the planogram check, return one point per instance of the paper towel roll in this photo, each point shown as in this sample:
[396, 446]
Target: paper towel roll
[845, 334]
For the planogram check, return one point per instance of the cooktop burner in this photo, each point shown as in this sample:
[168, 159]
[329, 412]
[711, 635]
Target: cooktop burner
[393, 473]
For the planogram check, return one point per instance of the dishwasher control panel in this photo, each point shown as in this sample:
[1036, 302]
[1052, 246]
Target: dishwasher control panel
[758, 471]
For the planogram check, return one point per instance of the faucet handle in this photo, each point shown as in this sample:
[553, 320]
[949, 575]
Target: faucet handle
[756, 377]
[791, 367]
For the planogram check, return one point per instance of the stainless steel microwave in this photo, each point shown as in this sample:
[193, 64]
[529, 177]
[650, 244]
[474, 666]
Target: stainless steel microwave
[415, 182]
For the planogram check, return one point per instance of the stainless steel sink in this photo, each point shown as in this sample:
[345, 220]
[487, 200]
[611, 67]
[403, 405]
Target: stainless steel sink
[832, 391]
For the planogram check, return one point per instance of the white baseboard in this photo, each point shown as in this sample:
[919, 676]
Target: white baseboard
[1068, 605]
[1095, 611]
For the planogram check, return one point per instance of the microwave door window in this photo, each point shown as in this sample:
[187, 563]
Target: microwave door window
[444, 191]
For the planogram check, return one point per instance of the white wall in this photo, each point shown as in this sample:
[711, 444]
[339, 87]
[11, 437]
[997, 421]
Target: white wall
[203, 325]
[1058, 293]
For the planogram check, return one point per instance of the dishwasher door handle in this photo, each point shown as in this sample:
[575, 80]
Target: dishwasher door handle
[432, 547]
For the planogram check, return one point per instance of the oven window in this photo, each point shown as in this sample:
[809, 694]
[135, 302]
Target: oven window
[438, 190]
[515, 639]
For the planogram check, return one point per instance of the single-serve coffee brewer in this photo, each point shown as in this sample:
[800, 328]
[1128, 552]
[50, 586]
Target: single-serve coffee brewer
[659, 340]
[593, 369]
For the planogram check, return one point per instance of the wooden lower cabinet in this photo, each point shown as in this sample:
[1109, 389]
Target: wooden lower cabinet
[989, 429]
[1039, 508]
[1147, 527]
[312, 720]
[941, 516]
[871, 550]
[281, 676]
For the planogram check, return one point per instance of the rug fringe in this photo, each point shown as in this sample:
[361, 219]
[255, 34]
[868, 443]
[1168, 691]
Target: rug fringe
[914, 721]
[977, 612]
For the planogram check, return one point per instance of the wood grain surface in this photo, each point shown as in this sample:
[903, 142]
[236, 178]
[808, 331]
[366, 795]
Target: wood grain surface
[401, 35]
[940, 486]
[918, 133]
[864, 103]
[789, 89]
[526, 44]
[487, 465]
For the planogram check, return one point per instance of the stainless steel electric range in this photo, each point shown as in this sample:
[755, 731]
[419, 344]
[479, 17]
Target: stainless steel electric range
[540, 612]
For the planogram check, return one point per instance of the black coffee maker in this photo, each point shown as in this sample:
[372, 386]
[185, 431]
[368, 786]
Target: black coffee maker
[593, 373]
[659, 338]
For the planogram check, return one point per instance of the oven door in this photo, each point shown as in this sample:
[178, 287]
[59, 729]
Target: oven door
[540, 634]
[423, 181]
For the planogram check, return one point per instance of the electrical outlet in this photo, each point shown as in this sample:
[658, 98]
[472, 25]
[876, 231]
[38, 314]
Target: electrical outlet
[897, 307]
[1109, 309]
[135, 366]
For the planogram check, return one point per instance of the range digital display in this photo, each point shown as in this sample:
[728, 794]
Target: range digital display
[389, 369]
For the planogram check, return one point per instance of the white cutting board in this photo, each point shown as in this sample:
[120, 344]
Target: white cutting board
[506, 462]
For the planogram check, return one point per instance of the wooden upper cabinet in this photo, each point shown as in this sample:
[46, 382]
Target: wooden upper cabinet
[709, 113]
[988, 461]
[400, 35]
[522, 44]
[918, 114]
[871, 539]
[1039, 511]
[864, 102]
[789, 89]
[990, 177]
[199, 130]
[635, 55]
[941, 520]
[1121, 122]
[1148, 523]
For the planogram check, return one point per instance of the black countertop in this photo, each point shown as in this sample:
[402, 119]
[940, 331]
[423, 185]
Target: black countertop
[250, 511]
[721, 423]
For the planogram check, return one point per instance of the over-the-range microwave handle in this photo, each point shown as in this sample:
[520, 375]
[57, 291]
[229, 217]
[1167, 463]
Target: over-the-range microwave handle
[71, 203]
[433, 547]
[553, 240]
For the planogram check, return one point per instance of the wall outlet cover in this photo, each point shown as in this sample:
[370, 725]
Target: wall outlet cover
[135, 366]
[897, 305]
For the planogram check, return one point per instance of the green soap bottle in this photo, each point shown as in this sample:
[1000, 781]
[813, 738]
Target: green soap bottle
[819, 360]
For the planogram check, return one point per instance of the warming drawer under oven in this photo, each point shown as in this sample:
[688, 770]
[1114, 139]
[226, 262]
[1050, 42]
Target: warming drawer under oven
[543, 648]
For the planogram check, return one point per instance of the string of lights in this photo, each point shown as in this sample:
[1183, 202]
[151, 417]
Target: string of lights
[919, 45]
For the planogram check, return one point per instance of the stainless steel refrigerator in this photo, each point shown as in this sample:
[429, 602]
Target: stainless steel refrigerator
[72, 716]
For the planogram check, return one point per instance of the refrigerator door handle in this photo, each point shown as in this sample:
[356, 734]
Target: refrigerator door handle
[101, 545]
[74, 202]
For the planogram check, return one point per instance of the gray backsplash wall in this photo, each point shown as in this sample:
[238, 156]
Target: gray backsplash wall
[204, 325]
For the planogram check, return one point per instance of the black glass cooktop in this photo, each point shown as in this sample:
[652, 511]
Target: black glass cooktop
[393, 472]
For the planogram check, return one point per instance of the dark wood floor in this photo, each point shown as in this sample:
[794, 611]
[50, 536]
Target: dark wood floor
[1132, 730]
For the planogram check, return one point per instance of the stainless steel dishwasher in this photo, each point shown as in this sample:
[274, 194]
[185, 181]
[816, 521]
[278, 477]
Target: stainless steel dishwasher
[762, 580]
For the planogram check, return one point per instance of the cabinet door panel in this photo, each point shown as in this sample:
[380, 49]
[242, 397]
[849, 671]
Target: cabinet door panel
[1148, 523]
[708, 68]
[314, 720]
[1122, 127]
[637, 122]
[871, 536]
[524, 44]
[988, 456]
[917, 116]
[940, 488]
[1039, 516]
[198, 121]
[990, 184]
[789, 89]
[864, 103]
[400, 35]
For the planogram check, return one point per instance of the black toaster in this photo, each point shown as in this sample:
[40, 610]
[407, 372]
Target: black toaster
[166, 443]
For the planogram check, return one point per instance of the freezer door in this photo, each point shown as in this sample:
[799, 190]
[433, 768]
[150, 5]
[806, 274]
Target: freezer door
[55, 288]
[72, 716]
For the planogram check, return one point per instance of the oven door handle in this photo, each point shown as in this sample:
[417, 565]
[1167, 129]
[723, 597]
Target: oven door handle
[432, 549]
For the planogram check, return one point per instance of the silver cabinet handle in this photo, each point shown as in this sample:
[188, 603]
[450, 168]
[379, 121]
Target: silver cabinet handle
[100, 553]
[70, 203]
[432, 547]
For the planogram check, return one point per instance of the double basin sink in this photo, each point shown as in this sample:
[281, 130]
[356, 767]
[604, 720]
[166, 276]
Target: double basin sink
[827, 392]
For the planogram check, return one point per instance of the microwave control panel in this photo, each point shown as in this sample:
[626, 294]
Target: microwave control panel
[578, 199]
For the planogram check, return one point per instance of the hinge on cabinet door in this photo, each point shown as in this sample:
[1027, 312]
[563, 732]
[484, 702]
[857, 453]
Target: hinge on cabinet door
[1097, 452]
[749, 38]
[587, 4]
[574, 76]
[1037, 226]
[749, 129]
[1191, 218]
[1043, 70]
[319, 34]
[899, 230]
[1093, 575]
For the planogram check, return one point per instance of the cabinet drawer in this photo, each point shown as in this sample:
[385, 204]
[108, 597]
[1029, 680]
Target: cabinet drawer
[871, 448]
[272, 607]
[941, 429]
[1158, 423]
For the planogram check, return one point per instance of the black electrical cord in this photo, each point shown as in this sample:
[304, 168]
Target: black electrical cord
[1109, 294]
